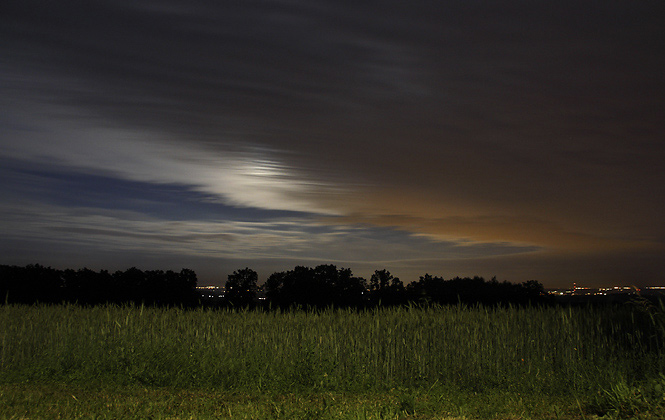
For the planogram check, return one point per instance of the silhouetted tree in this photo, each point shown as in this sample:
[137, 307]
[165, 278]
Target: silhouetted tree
[127, 285]
[532, 291]
[86, 286]
[385, 289]
[274, 288]
[474, 290]
[322, 286]
[186, 286]
[349, 291]
[241, 287]
[32, 283]
[319, 287]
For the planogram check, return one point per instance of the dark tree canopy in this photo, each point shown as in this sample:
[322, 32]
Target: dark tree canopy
[468, 290]
[318, 287]
[241, 287]
[36, 283]
[384, 289]
[322, 286]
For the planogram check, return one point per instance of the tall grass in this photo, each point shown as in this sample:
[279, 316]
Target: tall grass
[553, 350]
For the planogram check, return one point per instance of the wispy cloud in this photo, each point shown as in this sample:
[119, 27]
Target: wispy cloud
[242, 175]
[437, 132]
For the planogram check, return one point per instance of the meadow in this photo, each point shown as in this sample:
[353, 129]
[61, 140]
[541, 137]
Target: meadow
[412, 362]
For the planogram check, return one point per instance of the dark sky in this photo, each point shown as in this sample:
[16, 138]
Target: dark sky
[522, 139]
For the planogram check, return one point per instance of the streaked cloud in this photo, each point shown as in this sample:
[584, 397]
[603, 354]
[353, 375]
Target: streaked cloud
[422, 135]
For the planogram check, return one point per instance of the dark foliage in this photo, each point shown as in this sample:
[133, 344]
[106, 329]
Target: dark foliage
[241, 287]
[384, 289]
[36, 283]
[319, 287]
[474, 290]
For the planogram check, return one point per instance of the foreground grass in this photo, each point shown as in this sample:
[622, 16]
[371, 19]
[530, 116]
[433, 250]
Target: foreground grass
[425, 363]
[59, 401]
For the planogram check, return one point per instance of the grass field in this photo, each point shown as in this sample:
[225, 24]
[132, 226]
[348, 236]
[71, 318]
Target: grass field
[443, 362]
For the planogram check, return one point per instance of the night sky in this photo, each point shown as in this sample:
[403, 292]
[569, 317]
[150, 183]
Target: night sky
[517, 139]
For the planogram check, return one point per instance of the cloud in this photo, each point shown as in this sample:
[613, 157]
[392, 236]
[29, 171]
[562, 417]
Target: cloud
[111, 231]
[250, 176]
[511, 126]
[520, 231]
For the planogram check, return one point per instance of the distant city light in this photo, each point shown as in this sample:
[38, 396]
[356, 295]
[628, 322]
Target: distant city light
[604, 291]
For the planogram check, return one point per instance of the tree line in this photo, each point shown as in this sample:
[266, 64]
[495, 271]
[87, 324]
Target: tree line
[36, 283]
[326, 285]
[306, 287]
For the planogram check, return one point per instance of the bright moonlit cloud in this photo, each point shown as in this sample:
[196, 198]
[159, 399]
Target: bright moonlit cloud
[252, 177]
[454, 135]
